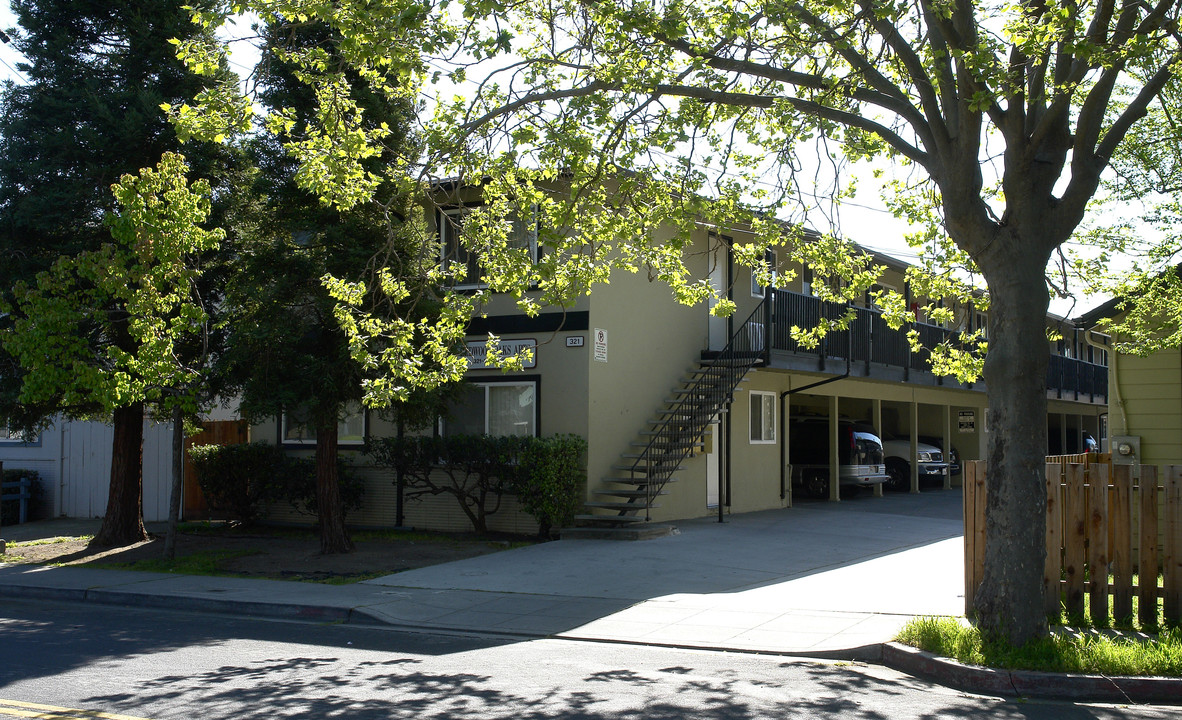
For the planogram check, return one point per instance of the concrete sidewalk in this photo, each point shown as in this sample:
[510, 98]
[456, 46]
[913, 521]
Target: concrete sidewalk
[820, 579]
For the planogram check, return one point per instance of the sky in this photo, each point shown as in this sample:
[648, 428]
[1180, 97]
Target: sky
[863, 219]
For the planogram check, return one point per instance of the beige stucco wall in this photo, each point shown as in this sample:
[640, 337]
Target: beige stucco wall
[652, 341]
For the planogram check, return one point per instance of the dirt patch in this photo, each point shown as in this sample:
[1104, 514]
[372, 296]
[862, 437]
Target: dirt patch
[267, 553]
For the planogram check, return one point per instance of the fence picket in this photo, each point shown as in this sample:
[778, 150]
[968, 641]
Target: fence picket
[1121, 550]
[979, 526]
[1053, 569]
[1172, 560]
[1147, 560]
[1074, 536]
[971, 568]
[1097, 530]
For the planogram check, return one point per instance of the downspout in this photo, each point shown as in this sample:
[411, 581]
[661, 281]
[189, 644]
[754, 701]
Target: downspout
[1113, 381]
[784, 433]
[730, 333]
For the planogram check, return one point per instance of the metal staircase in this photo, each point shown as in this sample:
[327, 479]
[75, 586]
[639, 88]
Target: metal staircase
[667, 440]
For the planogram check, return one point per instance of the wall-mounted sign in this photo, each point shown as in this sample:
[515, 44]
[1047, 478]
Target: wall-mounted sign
[967, 421]
[478, 352]
[574, 341]
[600, 345]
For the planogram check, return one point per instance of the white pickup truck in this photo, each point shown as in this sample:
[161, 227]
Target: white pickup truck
[928, 458]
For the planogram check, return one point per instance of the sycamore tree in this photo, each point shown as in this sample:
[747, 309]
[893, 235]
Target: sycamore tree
[998, 118]
[109, 331]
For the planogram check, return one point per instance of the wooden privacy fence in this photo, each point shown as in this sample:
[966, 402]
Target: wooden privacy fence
[213, 432]
[1110, 530]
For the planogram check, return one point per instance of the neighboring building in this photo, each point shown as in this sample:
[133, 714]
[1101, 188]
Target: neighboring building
[73, 462]
[1145, 402]
[618, 368]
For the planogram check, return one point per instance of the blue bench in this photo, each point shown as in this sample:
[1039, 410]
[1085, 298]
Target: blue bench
[18, 490]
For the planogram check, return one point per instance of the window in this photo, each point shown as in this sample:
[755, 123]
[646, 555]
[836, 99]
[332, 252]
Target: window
[758, 290]
[495, 408]
[522, 234]
[11, 438]
[763, 417]
[297, 427]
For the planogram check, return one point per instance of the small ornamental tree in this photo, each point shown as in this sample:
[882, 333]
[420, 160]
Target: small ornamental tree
[101, 332]
[88, 115]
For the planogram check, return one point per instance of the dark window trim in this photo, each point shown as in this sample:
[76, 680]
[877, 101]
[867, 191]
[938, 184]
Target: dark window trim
[577, 321]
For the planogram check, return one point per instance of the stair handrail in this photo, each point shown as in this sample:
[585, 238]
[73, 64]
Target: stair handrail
[731, 374]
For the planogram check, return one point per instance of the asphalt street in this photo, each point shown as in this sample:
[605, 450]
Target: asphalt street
[63, 660]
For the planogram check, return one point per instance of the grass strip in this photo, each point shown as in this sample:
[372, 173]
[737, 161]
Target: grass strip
[1064, 651]
[206, 562]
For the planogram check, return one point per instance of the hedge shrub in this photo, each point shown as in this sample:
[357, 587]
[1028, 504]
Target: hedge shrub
[546, 474]
[241, 479]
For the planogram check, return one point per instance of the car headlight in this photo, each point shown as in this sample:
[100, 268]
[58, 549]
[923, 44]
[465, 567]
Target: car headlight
[924, 456]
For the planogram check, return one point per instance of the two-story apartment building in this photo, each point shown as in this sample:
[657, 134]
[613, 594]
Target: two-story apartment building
[685, 413]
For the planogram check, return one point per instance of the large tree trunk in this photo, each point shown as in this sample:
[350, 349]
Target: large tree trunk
[124, 522]
[334, 538]
[1009, 600]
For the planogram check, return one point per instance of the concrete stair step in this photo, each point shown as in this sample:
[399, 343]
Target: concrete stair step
[610, 518]
[632, 493]
[602, 505]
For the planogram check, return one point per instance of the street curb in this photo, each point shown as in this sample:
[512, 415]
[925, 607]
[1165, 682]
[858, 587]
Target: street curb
[284, 611]
[903, 658]
[1030, 684]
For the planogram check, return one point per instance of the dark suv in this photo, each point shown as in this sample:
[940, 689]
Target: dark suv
[859, 455]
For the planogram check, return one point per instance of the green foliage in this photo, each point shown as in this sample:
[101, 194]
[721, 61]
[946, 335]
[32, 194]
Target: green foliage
[100, 330]
[475, 470]
[550, 481]
[242, 479]
[10, 509]
[297, 486]
[1064, 651]
[239, 479]
[546, 474]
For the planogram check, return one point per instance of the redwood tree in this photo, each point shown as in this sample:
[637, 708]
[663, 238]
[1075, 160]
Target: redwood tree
[286, 351]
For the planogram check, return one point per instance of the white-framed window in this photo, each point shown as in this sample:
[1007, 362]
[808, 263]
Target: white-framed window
[296, 427]
[11, 438]
[496, 408]
[523, 233]
[763, 417]
[758, 290]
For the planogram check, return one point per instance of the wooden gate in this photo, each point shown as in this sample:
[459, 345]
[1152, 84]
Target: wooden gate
[214, 432]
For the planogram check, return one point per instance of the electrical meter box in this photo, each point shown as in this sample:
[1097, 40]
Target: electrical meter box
[1126, 449]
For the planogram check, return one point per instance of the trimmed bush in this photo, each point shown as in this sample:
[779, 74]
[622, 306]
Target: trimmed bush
[550, 481]
[479, 470]
[296, 485]
[239, 479]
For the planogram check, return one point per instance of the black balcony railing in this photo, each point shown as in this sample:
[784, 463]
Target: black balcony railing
[869, 340]
[1068, 375]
